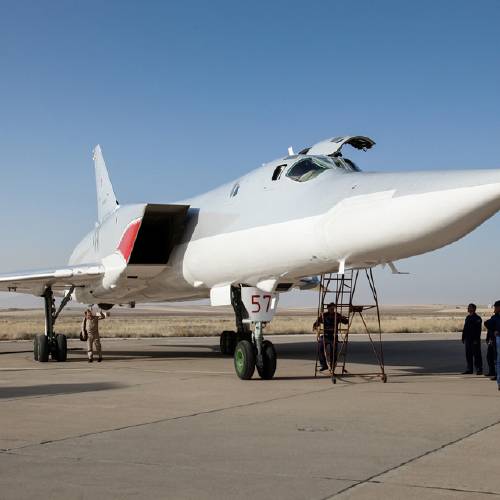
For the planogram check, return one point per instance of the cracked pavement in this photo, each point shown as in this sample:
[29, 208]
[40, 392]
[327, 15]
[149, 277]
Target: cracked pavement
[168, 418]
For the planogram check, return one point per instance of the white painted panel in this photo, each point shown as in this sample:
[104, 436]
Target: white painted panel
[220, 295]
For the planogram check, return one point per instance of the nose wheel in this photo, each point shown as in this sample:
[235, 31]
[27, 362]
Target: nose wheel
[267, 367]
[258, 353]
[227, 343]
[244, 360]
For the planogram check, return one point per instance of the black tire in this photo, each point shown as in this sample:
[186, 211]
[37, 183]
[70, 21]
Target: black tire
[269, 359]
[62, 347]
[228, 342]
[232, 341]
[222, 343]
[244, 360]
[43, 348]
[35, 347]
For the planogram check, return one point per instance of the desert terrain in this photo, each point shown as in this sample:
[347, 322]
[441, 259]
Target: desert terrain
[194, 321]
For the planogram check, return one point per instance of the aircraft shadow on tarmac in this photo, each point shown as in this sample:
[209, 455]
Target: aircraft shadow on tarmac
[56, 389]
[419, 356]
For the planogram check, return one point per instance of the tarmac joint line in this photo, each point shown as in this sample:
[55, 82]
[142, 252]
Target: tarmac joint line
[171, 419]
[372, 479]
[458, 490]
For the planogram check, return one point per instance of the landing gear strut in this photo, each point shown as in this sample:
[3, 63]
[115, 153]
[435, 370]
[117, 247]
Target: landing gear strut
[51, 344]
[229, 339]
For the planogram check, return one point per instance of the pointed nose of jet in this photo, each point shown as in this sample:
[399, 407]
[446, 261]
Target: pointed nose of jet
[407, 214]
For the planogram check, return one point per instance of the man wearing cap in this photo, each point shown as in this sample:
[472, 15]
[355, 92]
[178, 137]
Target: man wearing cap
[90, 329]
[471, 337]
[493, 326]
[327, 343]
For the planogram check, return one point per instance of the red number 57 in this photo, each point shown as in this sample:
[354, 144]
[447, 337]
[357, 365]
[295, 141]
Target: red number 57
[255, 302]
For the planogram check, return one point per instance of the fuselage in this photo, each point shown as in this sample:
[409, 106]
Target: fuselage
[257, 230]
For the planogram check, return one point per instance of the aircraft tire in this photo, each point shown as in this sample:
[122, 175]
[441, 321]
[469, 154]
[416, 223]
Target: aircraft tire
[244, 360]
[222, 343]
[43, 348]
[269, 359]
[232, 340]
[35, 347]
[227, 343]
[62, 347]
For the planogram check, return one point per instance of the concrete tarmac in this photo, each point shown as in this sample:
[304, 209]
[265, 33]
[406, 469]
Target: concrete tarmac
[169, 419]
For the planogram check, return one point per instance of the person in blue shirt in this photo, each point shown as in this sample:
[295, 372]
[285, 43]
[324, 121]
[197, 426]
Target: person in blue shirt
[493, 326]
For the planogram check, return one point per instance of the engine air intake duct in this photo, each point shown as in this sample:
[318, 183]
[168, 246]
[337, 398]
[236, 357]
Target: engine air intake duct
[161, 229]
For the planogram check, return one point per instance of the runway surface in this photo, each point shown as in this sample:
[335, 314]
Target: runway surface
[168, 418]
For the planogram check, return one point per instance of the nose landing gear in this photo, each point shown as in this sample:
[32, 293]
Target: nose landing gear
[253, 351]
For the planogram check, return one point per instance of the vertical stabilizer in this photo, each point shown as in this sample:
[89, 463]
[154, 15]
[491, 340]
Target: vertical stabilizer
[106, 199]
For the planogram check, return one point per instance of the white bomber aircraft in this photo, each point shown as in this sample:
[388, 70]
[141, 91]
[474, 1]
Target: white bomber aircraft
[276, 228]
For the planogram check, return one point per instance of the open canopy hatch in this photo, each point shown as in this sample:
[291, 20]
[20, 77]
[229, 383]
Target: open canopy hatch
[332, 147]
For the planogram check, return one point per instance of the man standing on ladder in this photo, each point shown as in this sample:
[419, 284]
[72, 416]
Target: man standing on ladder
[328, 341]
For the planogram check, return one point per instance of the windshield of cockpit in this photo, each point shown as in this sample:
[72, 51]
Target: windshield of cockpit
[309, 168]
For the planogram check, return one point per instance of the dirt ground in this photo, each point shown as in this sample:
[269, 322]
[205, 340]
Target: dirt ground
[188, 321]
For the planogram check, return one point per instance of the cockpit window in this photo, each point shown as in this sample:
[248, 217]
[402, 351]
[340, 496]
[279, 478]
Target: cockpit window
[308, 168]
[352, 165]
[278, 171]
[346, 164]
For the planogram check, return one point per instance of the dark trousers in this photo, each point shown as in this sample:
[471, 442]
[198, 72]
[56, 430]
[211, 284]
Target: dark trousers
[491, 358]
[473, 353]
[327, 345]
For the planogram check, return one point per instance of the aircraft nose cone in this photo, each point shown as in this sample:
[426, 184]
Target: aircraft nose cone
[408, 214]
[449, 207]
[475, 198]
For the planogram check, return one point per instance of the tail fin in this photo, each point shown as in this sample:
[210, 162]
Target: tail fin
[106, 199]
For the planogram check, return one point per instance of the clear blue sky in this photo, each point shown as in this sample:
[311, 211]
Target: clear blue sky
[184, 96]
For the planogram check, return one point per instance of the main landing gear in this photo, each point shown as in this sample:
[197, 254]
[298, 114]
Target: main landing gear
[51, 344]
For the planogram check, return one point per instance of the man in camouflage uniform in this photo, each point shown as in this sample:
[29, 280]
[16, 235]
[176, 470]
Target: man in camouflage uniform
[90, 329]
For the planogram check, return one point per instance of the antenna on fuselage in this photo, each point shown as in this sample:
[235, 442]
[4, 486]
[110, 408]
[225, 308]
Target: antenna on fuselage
[290, 151]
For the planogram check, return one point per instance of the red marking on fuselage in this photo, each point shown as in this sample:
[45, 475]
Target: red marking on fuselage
[128, 239]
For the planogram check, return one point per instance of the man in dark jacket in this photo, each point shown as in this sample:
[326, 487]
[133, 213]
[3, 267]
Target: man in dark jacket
[471, 337]
[491, 353]
[493, 326]
[327, 342]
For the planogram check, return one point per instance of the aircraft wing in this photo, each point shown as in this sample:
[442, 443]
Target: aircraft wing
[35, 282]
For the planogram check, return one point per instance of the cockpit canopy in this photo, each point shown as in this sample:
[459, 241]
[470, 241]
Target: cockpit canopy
[333, 146]
[306, 169]
[323, 156]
